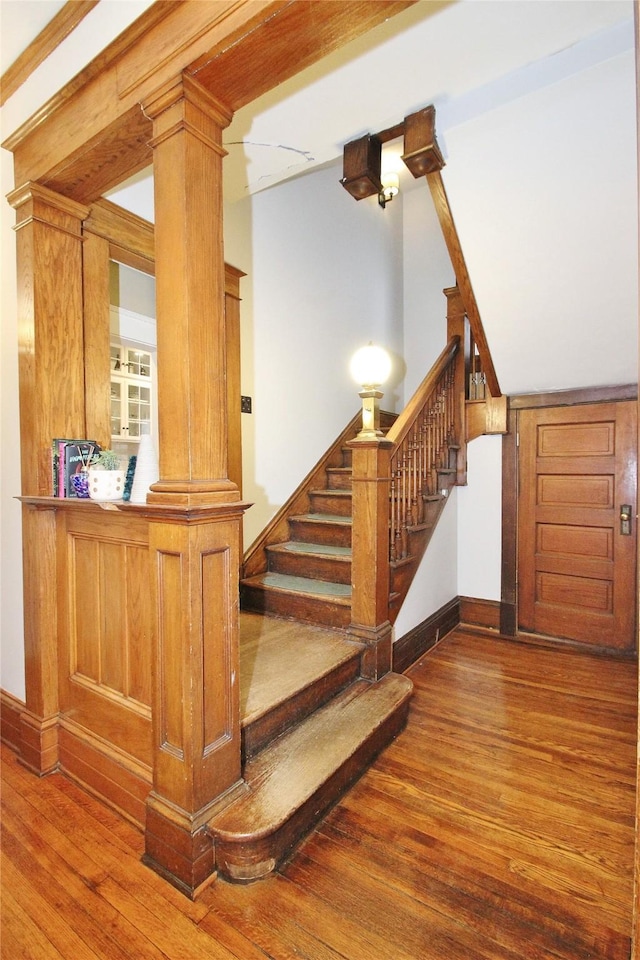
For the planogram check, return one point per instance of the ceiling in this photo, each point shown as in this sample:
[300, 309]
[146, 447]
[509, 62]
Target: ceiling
[464, 56]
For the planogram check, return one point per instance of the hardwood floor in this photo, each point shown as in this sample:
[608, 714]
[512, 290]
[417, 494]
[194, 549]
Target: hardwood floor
[498, 826]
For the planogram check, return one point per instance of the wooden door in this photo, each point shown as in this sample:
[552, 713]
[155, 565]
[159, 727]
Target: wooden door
[576, 566]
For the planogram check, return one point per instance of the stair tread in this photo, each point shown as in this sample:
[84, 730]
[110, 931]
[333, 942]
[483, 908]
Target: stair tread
[272, 668]
[291, 769]
[324, 518]
[317, 549]
[335, 592]
[331, 492]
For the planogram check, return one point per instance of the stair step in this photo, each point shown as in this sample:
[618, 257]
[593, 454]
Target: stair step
[325, 528]
[295, 780]
[339, 478]
[332, 502]
[287, 670]
[300, 598]
[315, 560]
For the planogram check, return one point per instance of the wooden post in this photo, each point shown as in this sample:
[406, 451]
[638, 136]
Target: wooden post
[458, 326]
[370, 554]
[194, 509]
[49, 256]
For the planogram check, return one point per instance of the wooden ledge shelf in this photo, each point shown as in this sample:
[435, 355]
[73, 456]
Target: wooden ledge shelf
[150, 511]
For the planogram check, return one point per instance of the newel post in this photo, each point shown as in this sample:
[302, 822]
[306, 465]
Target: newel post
[370, 554]
[194, 509]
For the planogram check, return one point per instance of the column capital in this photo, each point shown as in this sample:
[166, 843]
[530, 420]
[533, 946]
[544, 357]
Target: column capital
[185, 89]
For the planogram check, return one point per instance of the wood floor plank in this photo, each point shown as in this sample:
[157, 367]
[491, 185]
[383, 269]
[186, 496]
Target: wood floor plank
[45, 913]
[22, 937]
[431, 871]
[498, 826]
[425, 932]
[259, 913]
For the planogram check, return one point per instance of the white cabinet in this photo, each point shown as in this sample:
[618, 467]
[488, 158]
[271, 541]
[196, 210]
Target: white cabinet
[131, 392]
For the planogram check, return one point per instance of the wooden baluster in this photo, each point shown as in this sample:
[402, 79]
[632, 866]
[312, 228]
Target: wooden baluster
[414, 477]
[393, 519]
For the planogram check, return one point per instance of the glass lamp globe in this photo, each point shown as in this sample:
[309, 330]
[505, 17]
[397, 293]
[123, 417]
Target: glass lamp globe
[370, 366]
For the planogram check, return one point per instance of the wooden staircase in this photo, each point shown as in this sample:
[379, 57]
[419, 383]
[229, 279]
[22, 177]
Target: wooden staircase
[319, 700]
[310, 727]
[308, 574]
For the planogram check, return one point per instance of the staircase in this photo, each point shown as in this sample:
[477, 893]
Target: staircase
[311, 723]
[308, 575]
[310, 728]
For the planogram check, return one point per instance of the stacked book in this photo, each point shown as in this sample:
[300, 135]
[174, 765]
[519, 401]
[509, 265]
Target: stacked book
[70, 460]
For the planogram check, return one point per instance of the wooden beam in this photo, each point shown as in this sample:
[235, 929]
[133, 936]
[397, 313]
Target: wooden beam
[293, 38]
[443, 210]
[93, 133]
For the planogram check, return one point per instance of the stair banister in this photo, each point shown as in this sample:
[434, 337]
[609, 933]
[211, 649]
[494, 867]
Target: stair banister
[398, 432]
[390, 476]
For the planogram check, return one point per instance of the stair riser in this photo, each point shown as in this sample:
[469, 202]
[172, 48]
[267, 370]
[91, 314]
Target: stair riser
[256, 736]
[331, 569]
[337, 480]
[340, 504]
[252, 859]
[309, 609]
[313, 531]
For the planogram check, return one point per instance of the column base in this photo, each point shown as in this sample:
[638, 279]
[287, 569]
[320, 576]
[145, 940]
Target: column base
[39, 743]
[376, 658]
[182, 856]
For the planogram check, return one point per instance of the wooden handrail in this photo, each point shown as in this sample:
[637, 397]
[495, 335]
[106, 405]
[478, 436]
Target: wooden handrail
[403, 424]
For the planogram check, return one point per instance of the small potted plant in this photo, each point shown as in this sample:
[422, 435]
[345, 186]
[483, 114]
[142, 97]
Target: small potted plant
[106, 476]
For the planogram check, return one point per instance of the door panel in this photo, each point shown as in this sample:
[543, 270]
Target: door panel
[576, 569]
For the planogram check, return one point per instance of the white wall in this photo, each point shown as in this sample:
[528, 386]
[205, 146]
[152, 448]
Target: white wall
[321, 282]
[427, 271]
[435, 582]
[480, 521]
[544, 193]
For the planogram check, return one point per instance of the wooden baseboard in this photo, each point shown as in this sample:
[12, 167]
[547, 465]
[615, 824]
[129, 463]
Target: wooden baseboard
[108, 773]
[10, 710]
[480, 613]
[417, 641]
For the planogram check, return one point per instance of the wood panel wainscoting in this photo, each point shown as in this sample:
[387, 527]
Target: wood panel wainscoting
[498, 826]
[105, 651]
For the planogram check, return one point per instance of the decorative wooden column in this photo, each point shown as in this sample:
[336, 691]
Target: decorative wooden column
[49, 257]
[370, 554]
[194, 509]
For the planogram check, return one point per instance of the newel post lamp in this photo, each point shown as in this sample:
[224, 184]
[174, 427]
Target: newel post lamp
[370, 366]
